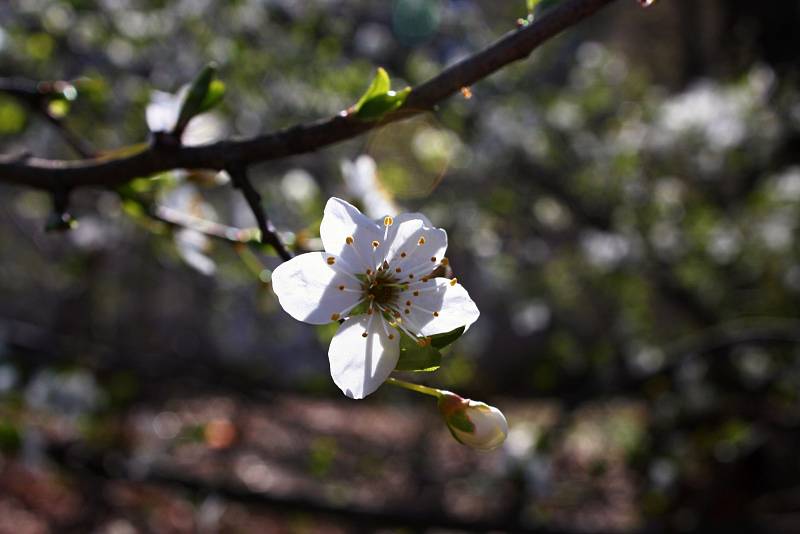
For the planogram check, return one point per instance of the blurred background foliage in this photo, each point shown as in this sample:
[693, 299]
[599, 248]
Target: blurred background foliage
[623, 207]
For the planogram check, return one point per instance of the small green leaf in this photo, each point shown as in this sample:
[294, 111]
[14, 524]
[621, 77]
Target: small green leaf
[414, 357]
[379, 99]
[440, 341]
[380, 86]
[200, 97]
[216, 91]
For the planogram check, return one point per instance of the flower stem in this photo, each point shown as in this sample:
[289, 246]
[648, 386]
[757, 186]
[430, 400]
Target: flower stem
[425, 390]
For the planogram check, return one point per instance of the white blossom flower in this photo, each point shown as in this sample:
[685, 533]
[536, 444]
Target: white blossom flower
[191, 244]
[473, 423]
[377, 278]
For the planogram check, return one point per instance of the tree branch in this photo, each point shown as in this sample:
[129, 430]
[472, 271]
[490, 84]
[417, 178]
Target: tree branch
[103, 172]
[268, 233]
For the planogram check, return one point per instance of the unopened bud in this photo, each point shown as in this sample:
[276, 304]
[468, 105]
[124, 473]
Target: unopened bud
[475, 424]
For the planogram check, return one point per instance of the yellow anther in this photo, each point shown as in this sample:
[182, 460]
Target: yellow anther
[331, 260]
[445, 261]
[421, 241]
[388, 221]
[348, 240]
[454, 281]
[335, 317]
[375, 244]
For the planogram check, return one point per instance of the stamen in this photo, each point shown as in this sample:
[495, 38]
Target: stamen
[348, 240]
[344, 312]
[341, 288]
[454, 281]
[398, 269]
[408, 303]
[411, 275]
[416, 293]
[424, 342]
[388, 221]
[436, 314]
[445, 262]
[402, 254]
[376, 244]
[331, 260]
[390, 335]
[369, 272]
[433, 259]
[421, 241]
[364, 334]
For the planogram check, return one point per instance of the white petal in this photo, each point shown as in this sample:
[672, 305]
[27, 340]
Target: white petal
[359, 365]
[438, 307]
[308, 288]
[162, 111]
[416, 249]
[341, 221]
[403, 217]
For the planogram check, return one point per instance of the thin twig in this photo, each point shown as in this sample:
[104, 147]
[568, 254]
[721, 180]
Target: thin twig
[179, 219]
[516, 45]
[269, 234]
[37, 96]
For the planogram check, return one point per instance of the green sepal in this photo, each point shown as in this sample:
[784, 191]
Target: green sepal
[440, 341]
[416, 358]
[379, 99]
[460, 421]
[203, 94]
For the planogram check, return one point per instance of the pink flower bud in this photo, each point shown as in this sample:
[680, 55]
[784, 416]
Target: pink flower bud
[473, 423]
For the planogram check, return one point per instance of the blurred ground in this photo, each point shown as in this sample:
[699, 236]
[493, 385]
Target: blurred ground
[288, 464]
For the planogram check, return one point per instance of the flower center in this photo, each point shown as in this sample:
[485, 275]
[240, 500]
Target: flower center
[381, 290]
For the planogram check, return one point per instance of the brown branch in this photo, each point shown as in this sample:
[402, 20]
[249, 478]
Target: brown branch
[516, 45]
[268, 232]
